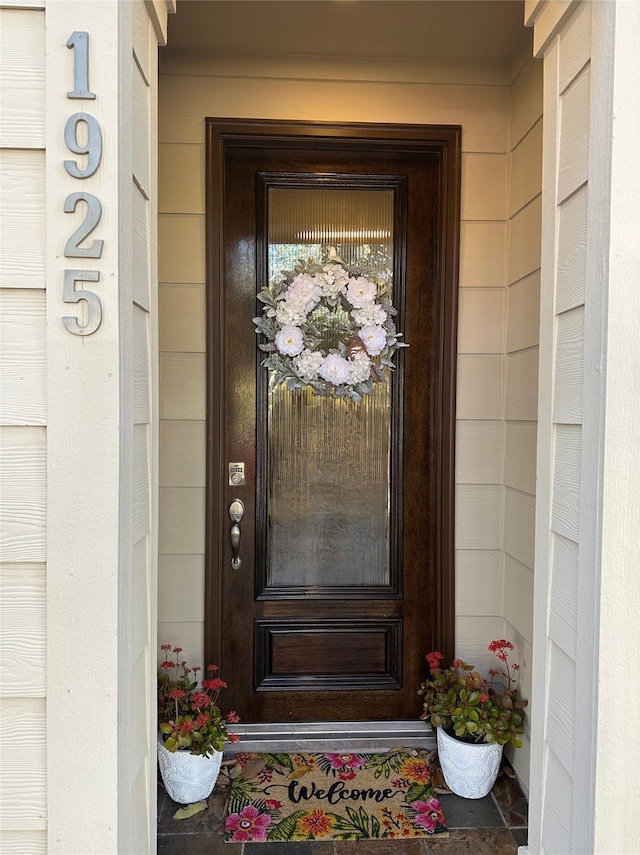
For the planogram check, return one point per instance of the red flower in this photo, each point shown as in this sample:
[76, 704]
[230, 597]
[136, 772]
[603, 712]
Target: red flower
[234, 737]
[458, 663]
[200, 700]
[177, 693]
[493, 672]
[187, 726]
[515, 666]
[501, 643]
[347, 776]
[165, 647]
[484, 697]
[212, 667]
[434, 658]
[202, 720]
[233, 717]
[177, 650]
[272, 804]
[214, 684]
[168, 664]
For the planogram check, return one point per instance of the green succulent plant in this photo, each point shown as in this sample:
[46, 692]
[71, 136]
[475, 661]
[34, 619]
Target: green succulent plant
[467, 705]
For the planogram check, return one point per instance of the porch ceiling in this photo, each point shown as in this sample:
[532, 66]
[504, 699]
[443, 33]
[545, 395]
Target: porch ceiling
[464, 30]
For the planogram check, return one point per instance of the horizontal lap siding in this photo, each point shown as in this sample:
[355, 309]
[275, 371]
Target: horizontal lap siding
[565, 823]
[255, 88]
[23, 418]
[138, 826]
[521, 375]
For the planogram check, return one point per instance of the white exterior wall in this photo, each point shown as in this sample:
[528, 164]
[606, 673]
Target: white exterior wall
[586, 583]
[521, 369]
[566, 796]
[23, 433]
[78, 430]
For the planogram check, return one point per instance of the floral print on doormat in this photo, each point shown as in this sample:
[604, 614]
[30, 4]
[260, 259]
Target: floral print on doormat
[332, 796]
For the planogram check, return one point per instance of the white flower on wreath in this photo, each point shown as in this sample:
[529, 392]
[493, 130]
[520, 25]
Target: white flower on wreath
[307, 364]
[360, 292]
[335, 369]
[305, 291]
[335, 279]
[289, 340]
[370, 315]
[374, 338]
[359, 368]
[289, 314]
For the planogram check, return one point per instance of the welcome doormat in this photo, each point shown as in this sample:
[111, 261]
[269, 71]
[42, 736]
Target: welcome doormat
[333, 796]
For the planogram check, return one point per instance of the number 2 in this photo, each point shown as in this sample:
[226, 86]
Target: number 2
[91, 220]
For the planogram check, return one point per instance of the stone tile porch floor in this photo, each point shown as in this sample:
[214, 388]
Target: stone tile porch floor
[494, 825]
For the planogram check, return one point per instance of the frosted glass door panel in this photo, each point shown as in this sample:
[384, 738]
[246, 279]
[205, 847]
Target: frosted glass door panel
[329, 462]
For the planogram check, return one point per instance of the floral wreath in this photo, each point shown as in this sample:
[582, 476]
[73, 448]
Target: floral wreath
[328, 328]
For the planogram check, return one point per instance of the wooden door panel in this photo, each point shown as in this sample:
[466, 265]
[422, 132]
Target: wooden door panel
[308, 652]
[293, 655]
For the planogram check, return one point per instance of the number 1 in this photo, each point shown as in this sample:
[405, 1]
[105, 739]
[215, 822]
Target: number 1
[79, 41]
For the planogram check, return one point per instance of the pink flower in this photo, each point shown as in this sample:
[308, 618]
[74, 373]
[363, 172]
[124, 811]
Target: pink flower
[428, 814]
[248, 825]
[347, 776]
[345, 761]
[272, 804]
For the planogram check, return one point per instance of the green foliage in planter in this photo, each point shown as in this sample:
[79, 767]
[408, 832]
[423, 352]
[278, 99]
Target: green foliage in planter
[467, 705]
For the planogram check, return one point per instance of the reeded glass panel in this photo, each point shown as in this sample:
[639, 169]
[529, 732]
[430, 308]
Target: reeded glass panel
[328, 470]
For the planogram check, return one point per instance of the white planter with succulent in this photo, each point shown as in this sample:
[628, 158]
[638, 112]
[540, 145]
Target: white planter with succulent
[193, 731]
[474, 720]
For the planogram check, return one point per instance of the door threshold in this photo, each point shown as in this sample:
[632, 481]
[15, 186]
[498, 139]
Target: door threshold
[362, 736]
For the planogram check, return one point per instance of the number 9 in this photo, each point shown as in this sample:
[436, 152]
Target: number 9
[93, 146]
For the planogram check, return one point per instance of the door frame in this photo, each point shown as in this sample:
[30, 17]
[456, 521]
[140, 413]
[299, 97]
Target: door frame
[221, 133]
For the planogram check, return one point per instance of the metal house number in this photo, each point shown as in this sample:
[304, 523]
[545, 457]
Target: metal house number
[83, 137]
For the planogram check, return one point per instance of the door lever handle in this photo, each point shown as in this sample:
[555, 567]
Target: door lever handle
[236, 512]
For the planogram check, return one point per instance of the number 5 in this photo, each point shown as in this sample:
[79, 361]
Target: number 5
[94, 306]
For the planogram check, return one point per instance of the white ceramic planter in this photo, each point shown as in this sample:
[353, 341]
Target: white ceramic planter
[470, 769]
[188, 778]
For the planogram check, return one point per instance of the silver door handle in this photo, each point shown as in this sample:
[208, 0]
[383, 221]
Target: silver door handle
[236, 512]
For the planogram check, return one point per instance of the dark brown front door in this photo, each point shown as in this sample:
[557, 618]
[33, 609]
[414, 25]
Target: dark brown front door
[346, 543]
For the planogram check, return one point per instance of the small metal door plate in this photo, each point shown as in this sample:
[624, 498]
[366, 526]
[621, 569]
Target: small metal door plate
[236, 475]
